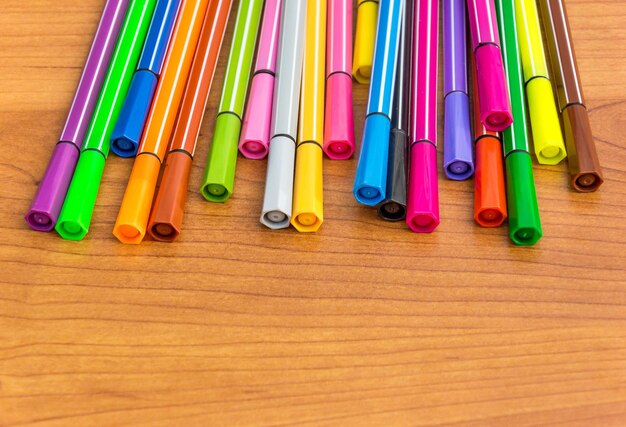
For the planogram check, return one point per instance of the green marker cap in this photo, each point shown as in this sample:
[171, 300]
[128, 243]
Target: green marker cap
[73, 223]
[524, 220]
[219, 174]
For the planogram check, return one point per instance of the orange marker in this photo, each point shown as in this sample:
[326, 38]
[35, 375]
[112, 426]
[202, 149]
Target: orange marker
[130, 226]
[489, 190]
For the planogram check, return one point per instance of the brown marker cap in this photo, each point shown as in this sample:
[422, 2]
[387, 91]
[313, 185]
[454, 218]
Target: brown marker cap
[167, 214]
[584, 166]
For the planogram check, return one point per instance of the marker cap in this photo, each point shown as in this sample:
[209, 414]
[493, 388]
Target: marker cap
[130, 123]
[73, 223]
[130, 226]
[366, 22]
[219, 174]
[422, 210]
[277, 205]
[370, 182]
[339, 121]
[393, 208]
[544, 120]
[255, 132]
[584, 165]
[458, 161]
[495, 108]
[489, 192]
[43, 213]
[308, 198]
[166, 218]
[524, 220]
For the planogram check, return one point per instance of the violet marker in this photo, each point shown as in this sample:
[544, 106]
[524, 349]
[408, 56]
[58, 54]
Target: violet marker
[44, 211]
[458, 160]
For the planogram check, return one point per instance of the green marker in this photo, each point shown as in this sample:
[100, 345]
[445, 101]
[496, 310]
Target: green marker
[524, 221]
[75, 216]
[219, 174]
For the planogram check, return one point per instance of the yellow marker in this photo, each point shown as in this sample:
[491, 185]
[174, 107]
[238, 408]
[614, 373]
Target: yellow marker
[308, 199]
[544, 117]
[366, 21]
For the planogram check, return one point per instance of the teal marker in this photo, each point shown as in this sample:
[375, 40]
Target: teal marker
[77, 209]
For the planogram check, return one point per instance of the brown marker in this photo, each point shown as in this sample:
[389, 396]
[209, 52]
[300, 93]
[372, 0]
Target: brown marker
[584, 166]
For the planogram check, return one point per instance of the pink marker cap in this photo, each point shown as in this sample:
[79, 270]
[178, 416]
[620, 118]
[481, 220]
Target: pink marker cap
[339, 122]
[495, 107]
[255, 133]
[422, 210]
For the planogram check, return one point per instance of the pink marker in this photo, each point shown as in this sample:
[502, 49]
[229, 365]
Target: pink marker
[255, 133]
[339, 128]
[495, 106]
[423, 193]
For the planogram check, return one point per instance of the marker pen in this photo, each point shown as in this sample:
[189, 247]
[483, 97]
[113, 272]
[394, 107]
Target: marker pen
[339, 120]
[458, 161]
[75, 217]
[423, 194]
[524, 220]
[544, 119]
[584, 165]
[371, 173]
[364, 39]
[130, 225]
[495, 111]
[393, 208]
[166, 218]
[255, 132]
[46, 205]
[308, 192]
[219, 173]
[130, 123]
[489, 191]
[277, 200]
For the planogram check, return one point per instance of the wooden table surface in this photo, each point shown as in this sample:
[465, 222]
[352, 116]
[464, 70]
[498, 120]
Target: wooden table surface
[362, 323]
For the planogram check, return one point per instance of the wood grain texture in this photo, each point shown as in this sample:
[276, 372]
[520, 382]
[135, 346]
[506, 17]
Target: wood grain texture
[363, 323]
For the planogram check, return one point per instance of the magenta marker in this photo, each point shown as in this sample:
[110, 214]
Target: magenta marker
[495, 107]
[44, 211]
[422, 214]
[339, 121]
[255, 133]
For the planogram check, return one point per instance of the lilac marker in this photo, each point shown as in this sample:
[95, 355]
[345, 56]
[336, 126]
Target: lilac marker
[457, 147]
[44, 211]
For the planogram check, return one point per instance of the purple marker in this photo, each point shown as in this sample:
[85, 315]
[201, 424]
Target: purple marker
[44, 211]
[457, 146]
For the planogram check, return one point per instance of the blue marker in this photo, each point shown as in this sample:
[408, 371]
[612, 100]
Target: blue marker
[371, 174]
[130, 123]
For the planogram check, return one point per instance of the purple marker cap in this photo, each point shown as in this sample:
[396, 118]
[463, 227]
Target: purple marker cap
[458, 159]
[44, 212]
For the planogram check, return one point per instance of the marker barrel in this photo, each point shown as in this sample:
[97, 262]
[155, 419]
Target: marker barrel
[127, 132]
[458, 161]
[584, 166]
[277, 199]
[255, 132]
[371, 175]
[364, 40]
[75, 217]
[47, 203]
[219, 173]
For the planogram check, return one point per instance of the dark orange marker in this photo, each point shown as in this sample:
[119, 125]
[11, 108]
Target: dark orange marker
[489, 189]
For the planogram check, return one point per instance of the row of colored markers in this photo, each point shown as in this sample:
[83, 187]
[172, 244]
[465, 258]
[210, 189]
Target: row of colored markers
[147, 79]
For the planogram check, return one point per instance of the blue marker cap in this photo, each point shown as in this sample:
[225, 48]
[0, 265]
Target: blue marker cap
[370, 183]
[458, 161]
[129, 127]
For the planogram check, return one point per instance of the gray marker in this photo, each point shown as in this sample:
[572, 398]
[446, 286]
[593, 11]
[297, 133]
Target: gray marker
[276, 212]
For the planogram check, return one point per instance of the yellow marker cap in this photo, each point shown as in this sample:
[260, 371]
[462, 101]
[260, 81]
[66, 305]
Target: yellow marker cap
[130, 226]
[544, 121]
[308, 199]
[364, 38]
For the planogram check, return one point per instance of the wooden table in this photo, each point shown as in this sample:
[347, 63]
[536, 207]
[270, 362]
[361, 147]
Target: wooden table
[362, 323]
